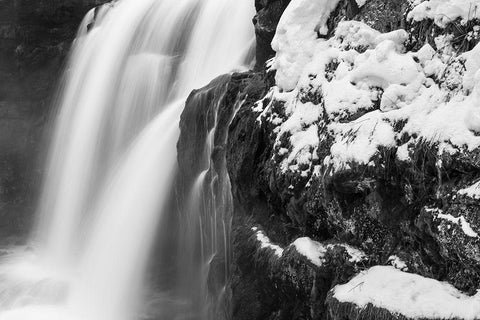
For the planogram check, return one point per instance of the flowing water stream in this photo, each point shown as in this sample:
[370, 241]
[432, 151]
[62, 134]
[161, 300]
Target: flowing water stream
[113, 158]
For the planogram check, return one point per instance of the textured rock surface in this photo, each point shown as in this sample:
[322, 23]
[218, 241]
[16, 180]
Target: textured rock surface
[35, 36]
[266, 20]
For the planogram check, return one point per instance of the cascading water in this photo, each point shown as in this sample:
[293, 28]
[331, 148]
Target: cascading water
[206, 212]
[111, 166]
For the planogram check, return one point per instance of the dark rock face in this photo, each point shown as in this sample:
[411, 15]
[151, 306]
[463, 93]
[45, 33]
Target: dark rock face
[266, 20]
[35, 36]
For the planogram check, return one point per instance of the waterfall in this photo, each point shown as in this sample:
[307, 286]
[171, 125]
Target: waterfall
[206, 213]
[113, 158]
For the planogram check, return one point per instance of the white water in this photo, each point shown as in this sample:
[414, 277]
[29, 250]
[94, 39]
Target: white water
[113, 154]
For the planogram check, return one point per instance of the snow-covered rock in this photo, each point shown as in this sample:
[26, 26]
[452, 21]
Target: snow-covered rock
[312, 250]
[406, 294]
[265, 242]
[357, 87]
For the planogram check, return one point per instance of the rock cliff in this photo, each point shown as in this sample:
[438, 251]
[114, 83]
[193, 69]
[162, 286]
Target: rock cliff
[337, 170]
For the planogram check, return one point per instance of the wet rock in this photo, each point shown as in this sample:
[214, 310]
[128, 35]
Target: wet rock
[202, 148]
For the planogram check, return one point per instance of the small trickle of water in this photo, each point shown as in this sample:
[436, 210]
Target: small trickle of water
[113, 156]
[205, 218]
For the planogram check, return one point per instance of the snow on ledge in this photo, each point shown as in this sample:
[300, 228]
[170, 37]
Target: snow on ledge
[466, 228]
[461, 221]
[266, 243]
[410, 295]
[314, 251]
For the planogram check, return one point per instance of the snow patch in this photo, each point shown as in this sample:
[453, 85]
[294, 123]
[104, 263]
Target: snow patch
[355, 254]
[466, 228]
[410, 295]
[265, 242]
[361, 3]
[473, 191]
[402, 153]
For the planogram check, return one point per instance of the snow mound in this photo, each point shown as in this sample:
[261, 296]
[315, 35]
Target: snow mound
[295, 37]
[355, 34]
[313, 250]
[410, 295]
[445, 11]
